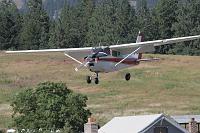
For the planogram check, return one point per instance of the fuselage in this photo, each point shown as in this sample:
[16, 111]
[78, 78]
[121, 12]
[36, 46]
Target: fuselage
[107, 64]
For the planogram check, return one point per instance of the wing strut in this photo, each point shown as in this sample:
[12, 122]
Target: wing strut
[84, 64]
[73, 58]
[127, 56]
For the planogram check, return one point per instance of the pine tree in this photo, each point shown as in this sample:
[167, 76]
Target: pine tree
[85, 10]
[111, 22]
[147, 22]
[35, 28]
[188, 24]
[126, 22]
[166, 16]
[72, 26]
[132, 26]
[70, 36]
[54, 33]
[61, 34]
[10, 24]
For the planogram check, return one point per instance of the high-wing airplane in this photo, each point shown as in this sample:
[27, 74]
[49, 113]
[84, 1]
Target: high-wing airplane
[105, 59]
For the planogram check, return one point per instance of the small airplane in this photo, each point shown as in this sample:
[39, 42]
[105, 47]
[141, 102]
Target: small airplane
[105, 59]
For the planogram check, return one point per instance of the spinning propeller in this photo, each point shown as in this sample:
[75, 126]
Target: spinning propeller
[97, 53]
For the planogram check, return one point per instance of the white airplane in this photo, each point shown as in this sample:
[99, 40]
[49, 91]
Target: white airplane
[105, 59]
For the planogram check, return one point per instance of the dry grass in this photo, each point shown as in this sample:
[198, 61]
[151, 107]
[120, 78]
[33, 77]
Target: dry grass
[170, 85]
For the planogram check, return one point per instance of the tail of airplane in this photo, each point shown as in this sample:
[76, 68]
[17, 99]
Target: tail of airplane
[140, 38]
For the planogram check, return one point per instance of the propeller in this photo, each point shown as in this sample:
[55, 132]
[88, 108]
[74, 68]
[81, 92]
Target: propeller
[96, 54]
[84, 64]
[81, 66]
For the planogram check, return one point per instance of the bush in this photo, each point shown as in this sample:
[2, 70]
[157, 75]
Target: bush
[50, 106]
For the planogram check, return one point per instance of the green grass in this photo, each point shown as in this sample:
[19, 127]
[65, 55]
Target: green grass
[171, 85]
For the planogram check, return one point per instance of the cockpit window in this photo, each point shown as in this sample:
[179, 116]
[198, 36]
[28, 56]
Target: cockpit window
[99, 49]
[107, 50]
[97, 55]
[95, 50]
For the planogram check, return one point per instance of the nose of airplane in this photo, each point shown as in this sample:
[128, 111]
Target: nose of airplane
[91, 64]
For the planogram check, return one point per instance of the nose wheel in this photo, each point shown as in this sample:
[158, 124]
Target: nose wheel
[88, 79]
[96, 79]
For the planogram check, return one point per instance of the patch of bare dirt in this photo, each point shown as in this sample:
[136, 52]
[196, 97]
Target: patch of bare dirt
[88, 90]
[5, 109]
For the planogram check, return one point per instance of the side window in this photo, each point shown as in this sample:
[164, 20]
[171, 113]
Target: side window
[115, 53]
[160, 130]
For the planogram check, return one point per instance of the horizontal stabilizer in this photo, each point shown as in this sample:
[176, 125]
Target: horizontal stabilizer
[150, 59]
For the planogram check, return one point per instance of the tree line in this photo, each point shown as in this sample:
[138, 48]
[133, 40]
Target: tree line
[106, 22]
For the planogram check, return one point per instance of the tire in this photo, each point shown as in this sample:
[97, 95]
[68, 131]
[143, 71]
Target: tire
[128, 76]
[96, 81]
[88, 78]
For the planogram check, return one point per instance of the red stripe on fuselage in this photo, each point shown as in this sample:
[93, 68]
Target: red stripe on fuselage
[128, 61]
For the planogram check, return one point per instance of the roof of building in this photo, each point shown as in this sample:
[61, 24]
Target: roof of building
[186, 118]
[11, 130]
[136, 124]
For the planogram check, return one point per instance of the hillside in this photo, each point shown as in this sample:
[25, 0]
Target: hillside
[53, 7]
[170, 85]
[21, 3]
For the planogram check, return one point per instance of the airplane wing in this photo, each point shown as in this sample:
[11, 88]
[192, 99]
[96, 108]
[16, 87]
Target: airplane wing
[148, 46]
[82, 52]
[73, 53]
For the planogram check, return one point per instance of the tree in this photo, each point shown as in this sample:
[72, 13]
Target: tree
[165, 12]
[98, 26]
[188, 24]
[111, 21]
[64, 31]
[126, 22]
[10, 25]
[84, 10]
[35, 28]
[57, 35]
[50, 106]
[147, 22]
[69, 21]
[70, 30]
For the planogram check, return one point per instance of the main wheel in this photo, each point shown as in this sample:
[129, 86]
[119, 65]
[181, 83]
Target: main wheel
[96, 81]
[88, 78]
[128, 76]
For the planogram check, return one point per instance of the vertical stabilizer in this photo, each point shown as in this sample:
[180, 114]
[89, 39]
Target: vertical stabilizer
[140, 38]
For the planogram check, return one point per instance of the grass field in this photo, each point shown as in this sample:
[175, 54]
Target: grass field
[171, 85]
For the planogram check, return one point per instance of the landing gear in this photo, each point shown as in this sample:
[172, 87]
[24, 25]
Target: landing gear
[128, 76]
[89, 79]
[96, 79]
